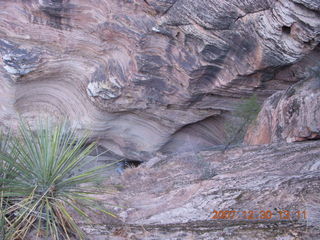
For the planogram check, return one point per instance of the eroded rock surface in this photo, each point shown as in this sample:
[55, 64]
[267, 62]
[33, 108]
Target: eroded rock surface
[173, 197]
[292, 115]
[153, 77]
[140, 74]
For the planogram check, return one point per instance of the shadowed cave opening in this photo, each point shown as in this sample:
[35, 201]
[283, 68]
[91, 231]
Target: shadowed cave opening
[286, 30]
[112, 163]
[125, 164]
[118, 164]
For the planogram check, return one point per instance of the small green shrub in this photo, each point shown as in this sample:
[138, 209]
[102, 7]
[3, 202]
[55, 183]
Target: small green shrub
[245, 114]
[42, 179]
[248, 110]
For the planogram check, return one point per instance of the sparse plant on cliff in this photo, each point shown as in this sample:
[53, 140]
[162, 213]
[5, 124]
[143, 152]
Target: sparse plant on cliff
[245, 114]
[42, 179]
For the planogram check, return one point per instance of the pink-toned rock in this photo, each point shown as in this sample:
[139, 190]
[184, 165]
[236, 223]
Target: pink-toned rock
[143, 76]
[292, 115]
[174, 197]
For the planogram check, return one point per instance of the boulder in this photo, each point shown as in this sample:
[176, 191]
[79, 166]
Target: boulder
[291, 116]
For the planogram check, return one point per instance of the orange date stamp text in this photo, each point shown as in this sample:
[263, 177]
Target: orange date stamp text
[259, 214]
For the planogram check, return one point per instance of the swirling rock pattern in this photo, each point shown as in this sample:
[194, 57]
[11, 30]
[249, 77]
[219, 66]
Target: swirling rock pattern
[140, 74]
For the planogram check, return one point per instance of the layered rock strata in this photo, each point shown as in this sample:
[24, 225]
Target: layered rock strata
[141, 74]
[173, 197]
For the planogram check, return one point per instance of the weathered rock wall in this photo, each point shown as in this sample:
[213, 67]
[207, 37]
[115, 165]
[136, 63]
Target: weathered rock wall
[144, 74]
[292, 115]
[173, 197]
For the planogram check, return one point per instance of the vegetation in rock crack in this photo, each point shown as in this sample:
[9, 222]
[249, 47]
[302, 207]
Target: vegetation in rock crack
[42, 181]
[245, 114]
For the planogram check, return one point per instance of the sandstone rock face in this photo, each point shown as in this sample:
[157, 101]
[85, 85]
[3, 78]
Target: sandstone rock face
[292, 115]
[173, 197]
[144, 75]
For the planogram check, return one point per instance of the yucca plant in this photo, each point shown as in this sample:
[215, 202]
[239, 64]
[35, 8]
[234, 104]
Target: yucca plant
[46, 180]
[7, 173]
